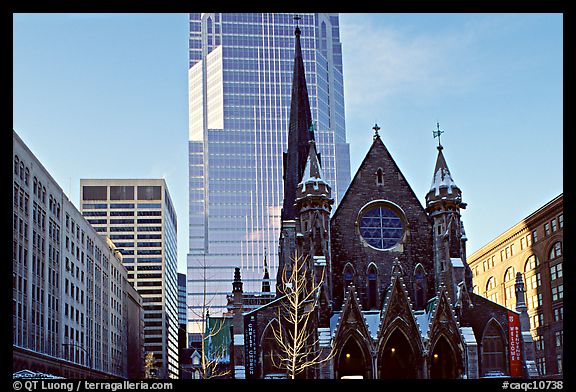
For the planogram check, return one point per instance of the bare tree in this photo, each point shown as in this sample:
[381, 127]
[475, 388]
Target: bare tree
[295, 333]
[211, 360]
[149, 367]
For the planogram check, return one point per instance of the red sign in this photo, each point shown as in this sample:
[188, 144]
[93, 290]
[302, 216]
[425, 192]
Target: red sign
[515, 350]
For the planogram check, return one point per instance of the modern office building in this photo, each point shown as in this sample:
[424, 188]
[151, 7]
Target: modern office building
[182, 321]
[70, 307]
[139, 217]
[240, 84]
[533, 247]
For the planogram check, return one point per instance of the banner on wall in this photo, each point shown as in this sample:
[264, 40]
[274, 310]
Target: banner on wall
[251, 346]
[515, 349]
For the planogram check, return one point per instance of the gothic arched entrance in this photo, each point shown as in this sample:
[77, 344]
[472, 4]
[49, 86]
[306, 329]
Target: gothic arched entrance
[443, 362]
[352, 362]
[397, 359]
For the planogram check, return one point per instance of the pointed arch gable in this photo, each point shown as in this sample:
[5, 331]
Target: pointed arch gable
[443, 324]
[397, 313]
[352, 321]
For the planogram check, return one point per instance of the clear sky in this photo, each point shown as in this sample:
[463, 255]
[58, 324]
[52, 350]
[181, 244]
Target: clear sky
[105, 96]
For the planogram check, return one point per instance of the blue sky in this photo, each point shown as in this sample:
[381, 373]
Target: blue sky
[105, 95]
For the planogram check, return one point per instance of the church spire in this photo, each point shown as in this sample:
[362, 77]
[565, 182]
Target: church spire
[300, 132]
[266, 279]
[443, 184]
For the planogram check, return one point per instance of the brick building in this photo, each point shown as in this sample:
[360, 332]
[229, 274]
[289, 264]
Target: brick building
[384, 282]
[534, 248]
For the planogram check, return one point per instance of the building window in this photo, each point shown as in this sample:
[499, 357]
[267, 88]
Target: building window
[535, 235]
[509, 275]
[348, 276]
[372, 287]
[379, 176]
[531, 263]
[420, 287]
[381, 227]
[559, 338]
[555, 251]
[556, 271]
[559, 313]
[522, 243]
[547, 229]
[491, 284]
[554, 225]
[541, 365]
[539, 343]
[559, 363]
[561, 220]
[529, 239]
[535, 281]
[558, 292]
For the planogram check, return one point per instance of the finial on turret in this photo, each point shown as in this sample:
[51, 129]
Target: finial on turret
[437, 134]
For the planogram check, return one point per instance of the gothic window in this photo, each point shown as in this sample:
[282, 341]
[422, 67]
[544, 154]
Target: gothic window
[372, 287]
[16, 165]
[419, 286]
[379, 176]
[348, 276]
[493, 351]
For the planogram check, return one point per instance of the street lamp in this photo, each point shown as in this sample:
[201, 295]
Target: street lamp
[89, 360]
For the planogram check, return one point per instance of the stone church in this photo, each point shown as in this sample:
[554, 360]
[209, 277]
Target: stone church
[392, 290]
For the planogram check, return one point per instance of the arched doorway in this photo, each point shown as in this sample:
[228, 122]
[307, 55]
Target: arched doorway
[351, 361]
[443, 363]
[494, 361]
[397, 360]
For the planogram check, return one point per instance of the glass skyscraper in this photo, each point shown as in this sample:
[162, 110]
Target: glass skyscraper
[240, 79]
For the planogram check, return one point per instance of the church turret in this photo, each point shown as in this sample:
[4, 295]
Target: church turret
[443, 204]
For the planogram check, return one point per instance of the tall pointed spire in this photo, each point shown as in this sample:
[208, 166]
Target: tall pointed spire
[300, 132]
[266, 279]
[442, 183]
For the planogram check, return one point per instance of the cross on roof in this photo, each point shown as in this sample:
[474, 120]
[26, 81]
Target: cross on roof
[376, 128]
[438, 133]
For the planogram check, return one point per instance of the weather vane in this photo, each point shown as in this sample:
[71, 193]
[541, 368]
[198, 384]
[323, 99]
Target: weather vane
[376, 128]
[438, 133]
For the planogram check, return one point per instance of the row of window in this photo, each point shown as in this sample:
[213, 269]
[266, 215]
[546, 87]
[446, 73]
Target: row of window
[96, 206]
[555, 273]
[531, 262]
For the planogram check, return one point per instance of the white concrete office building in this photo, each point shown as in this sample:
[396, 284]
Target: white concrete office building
[139, 217]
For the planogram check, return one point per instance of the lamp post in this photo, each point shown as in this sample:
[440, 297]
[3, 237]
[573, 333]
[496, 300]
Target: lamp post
[89, 360]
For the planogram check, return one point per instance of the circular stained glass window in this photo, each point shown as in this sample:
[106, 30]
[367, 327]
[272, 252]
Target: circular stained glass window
[381, 227]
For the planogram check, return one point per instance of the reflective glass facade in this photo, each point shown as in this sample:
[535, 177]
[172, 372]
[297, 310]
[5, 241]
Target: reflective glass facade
[240, 79]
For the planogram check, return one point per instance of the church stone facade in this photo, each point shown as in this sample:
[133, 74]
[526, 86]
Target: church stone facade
[395, 299]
